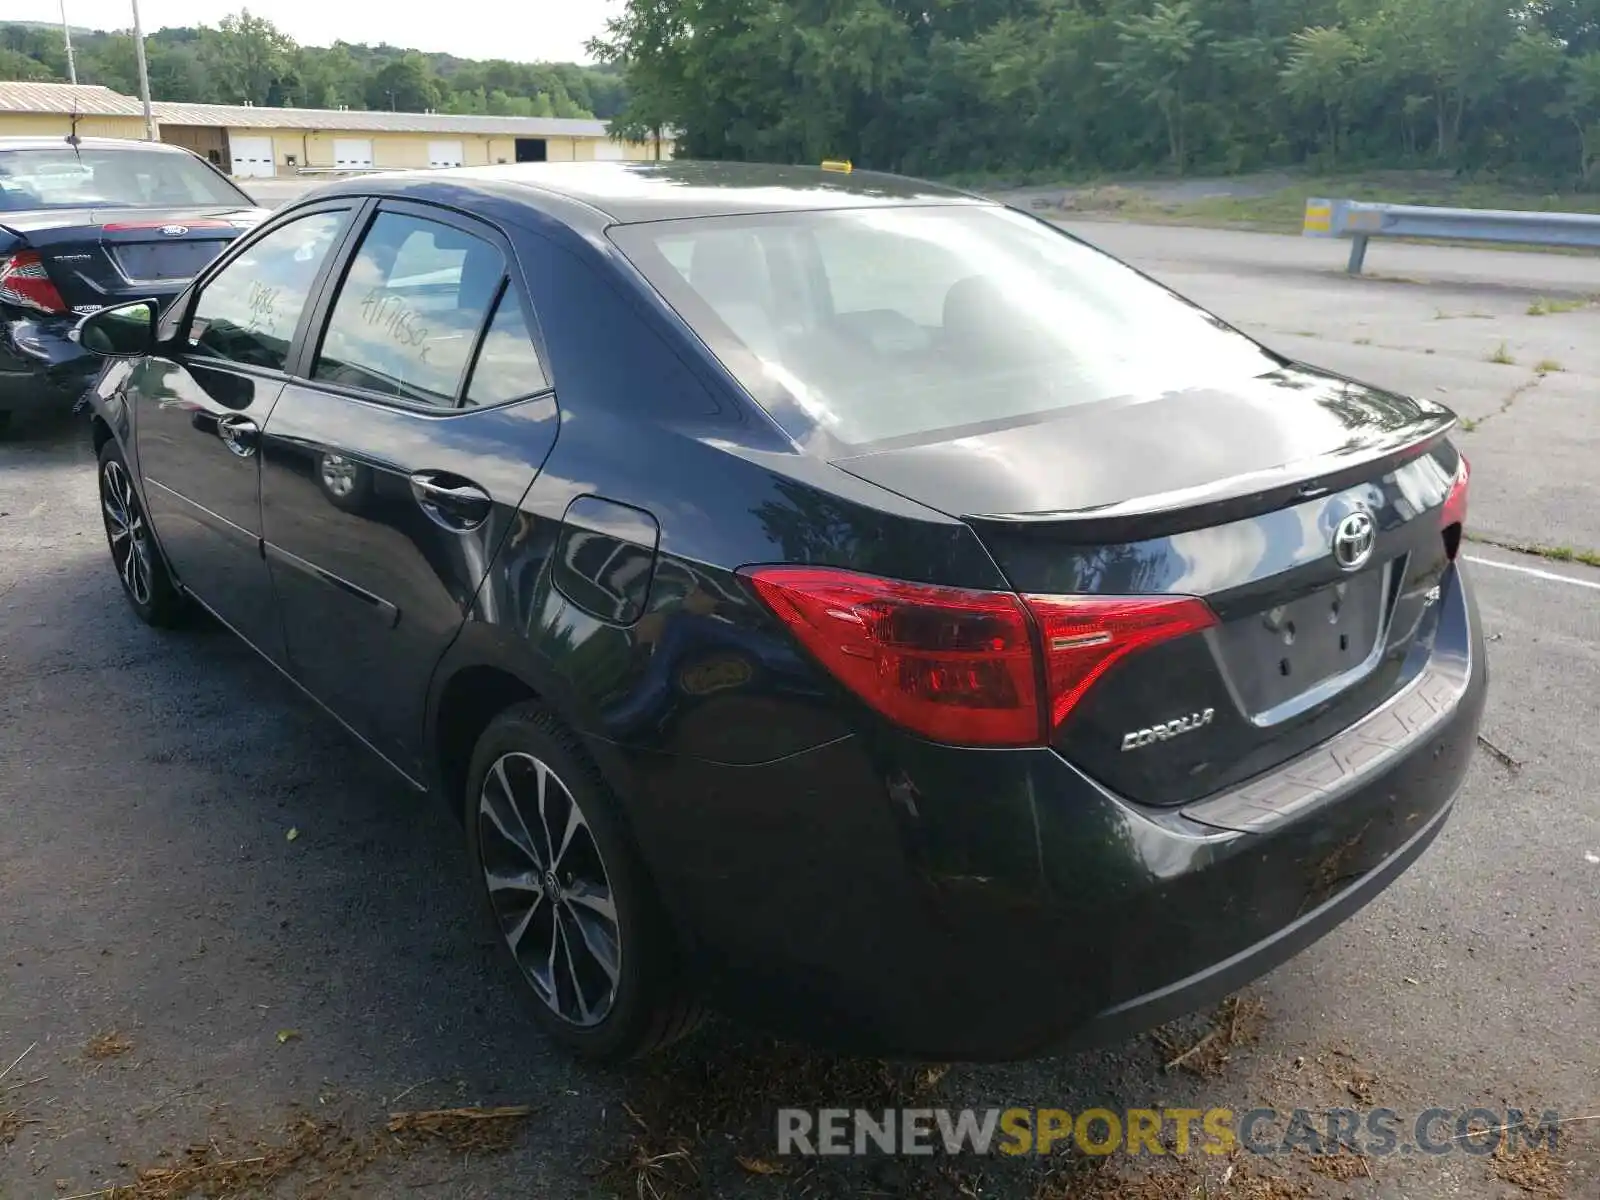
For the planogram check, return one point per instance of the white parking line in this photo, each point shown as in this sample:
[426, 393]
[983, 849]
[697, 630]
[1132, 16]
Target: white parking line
[1535, 572]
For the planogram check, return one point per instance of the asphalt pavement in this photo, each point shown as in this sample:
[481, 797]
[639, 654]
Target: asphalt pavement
[263, 988]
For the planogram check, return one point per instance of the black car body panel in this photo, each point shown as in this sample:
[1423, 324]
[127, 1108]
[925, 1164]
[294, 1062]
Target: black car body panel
[831, 872]
[97, 256]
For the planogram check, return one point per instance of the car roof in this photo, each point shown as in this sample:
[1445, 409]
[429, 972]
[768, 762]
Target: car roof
[626, 192]
[86, 143]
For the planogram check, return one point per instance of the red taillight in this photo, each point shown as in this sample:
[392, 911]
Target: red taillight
[1453, 515]
[961, 666]
[951, 664]
[23, 281]
[1084, 636]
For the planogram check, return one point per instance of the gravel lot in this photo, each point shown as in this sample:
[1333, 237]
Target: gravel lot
[178, 972]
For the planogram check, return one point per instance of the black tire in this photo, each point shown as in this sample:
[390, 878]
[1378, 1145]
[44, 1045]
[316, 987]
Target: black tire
[146, 583]
[648, 1007]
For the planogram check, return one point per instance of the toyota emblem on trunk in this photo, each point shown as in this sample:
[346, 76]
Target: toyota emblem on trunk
[1353, 541]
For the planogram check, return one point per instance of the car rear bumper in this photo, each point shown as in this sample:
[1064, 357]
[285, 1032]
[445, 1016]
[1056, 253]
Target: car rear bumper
[41, 368]
[883, 895]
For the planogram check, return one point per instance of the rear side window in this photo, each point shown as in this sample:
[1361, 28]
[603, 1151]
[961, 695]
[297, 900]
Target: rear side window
[248, 312]
[508, 365]
[409, 310]
[880, 324]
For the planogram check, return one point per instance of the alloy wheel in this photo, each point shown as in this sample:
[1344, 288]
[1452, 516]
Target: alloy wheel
[126, 531]
[549, 889]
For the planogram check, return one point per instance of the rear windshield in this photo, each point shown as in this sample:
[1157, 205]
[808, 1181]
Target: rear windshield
[873, 325]
[34, 179]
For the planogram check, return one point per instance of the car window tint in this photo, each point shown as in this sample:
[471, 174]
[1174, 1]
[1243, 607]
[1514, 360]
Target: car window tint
[409, 310]
[508, 365]
[248, 312]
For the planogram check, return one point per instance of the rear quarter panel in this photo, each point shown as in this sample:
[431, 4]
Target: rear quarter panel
[648, 420]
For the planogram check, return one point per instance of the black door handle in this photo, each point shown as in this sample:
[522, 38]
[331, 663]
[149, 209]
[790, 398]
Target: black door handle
[239, 434]
[450, 501]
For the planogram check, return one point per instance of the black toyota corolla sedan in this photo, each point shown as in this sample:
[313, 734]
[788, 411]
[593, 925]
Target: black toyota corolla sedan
[827, 597]
[92, 223]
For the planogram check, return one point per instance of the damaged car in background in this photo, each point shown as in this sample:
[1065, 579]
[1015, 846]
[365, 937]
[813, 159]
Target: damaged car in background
[89, 223]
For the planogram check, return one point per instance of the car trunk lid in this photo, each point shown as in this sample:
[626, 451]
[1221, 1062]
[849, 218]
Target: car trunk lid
[98, 257]
[1236, 496]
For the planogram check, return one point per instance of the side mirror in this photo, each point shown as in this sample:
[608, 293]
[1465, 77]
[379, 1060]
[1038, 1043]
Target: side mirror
[121, 331]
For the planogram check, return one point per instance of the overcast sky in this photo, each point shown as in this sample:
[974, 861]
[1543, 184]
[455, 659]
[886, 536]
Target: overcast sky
[530, 31]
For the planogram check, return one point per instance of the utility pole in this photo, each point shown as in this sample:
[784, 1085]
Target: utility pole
[144, 76]
[66, 36]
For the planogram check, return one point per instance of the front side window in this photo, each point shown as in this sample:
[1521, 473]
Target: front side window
[876, 324]
[408, 312]
[248, 312]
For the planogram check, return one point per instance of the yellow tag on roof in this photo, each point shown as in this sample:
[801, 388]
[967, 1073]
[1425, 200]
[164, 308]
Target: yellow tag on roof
[836, 164]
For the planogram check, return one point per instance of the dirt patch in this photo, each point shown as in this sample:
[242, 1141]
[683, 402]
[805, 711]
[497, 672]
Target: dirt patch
[459, 1130]
[690, 1117]
[1237, 1023]
[322, 1158]
[1241, 1178]
[12, 1122]
[1340, 1166]
[1532, 1168]
[110, 1044]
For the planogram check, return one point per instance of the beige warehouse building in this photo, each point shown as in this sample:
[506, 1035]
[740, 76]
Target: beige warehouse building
[260, 143]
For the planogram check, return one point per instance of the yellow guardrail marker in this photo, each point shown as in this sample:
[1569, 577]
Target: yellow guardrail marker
[1319, 217]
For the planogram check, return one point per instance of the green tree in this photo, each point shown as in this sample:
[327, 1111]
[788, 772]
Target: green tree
[1322, 72]
[404, 85]
[14, 64]
[245, 56]
[649, 43]
[1159, 53]
[1580, 104]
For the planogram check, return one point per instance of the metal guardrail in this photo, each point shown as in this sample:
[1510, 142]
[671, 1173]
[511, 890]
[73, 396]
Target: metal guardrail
[1360, 221]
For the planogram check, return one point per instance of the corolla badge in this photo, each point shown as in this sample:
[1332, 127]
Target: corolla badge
[173, 230]
[1353, 540]
[1134, 739]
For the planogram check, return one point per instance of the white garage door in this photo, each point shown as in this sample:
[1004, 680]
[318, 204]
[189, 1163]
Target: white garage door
[252, 156]
[607, 150]
[445, 154]
[351, 154]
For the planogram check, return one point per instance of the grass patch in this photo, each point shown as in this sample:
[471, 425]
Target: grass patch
[1565, 554]
[1502, 356]
[1544, 306]
[1547, 365]
[1283, 210]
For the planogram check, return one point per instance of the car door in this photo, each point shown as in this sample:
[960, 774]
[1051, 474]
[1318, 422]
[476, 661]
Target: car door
[394, 463]
[200, 406]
